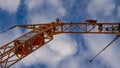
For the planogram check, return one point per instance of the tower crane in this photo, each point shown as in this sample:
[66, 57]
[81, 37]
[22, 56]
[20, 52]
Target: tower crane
[40, 34]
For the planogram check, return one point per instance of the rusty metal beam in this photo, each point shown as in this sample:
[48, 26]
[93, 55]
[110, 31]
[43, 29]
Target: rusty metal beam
[41, 34]
[19, 48]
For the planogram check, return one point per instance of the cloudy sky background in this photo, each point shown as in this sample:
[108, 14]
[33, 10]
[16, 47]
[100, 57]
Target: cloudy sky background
[66, 50]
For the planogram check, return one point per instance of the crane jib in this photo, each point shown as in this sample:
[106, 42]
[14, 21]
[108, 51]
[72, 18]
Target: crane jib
[40, 34]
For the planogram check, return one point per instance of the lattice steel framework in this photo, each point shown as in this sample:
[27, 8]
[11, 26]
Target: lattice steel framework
[40, 34]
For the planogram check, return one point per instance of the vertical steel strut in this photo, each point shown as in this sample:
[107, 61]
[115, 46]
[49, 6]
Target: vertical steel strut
[40, 34]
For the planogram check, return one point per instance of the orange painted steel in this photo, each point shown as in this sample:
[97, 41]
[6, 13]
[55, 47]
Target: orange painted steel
[40, 34]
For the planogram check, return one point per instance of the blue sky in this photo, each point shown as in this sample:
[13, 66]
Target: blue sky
[66, 50]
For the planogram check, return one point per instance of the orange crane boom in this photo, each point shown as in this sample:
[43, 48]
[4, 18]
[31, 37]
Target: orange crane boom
[40, 34]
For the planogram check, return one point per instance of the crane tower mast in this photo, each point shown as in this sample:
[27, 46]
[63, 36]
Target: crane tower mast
[40, 34]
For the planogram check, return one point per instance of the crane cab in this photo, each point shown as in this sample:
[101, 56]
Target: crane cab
[25, 44]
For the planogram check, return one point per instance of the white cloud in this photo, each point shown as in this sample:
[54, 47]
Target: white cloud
[62, 46]
[97, 43]
[31, 4]
[9, 36]
[44, 11]
[61, 11]
[103, 7]
[52, 53]
[57, 4]
[40, 18]
[70, 63]
[9, 5]
[118, 8]
[103, 10]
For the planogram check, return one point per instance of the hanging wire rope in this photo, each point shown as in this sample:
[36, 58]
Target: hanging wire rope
[8, 29]
[104, 48]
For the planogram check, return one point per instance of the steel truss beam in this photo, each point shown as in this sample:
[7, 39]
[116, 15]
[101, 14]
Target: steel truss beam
[41, 34]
